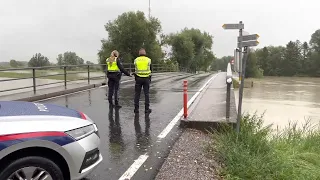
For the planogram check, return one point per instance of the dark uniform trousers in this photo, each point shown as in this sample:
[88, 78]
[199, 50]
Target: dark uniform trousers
[113, 87]
[142, 82]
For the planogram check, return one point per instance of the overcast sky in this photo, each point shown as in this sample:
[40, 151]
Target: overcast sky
[55, 26]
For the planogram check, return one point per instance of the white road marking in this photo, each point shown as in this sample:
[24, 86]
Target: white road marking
[79, 92]
[134, 167]
[174, 121]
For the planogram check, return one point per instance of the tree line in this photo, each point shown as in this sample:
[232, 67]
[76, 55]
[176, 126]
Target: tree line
[295, 59]
[39, 60]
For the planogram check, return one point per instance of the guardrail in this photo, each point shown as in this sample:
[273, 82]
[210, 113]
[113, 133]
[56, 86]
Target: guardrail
[64, 74]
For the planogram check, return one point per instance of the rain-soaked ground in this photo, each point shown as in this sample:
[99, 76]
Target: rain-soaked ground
[284, 100]
[124, 136]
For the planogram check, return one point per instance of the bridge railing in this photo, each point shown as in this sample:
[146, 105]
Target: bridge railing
[32, 78]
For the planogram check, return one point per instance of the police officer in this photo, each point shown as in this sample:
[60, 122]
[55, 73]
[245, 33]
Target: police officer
[143, 78]
[114, 71]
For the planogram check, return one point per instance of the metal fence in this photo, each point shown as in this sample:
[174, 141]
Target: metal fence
[63, 74]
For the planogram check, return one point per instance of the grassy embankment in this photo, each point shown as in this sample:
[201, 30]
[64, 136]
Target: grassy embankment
[256, 153]
[44, 73]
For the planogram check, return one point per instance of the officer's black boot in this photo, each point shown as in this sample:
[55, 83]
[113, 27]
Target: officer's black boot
[148, 111]
[117, 105]
[110, 102]
[136, 109]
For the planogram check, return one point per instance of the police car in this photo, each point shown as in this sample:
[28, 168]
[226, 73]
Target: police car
[46, 142]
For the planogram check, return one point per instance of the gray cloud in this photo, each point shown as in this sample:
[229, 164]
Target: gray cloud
[53, 27]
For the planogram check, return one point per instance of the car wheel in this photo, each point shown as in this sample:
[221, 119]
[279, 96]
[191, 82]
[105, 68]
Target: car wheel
[31, 168]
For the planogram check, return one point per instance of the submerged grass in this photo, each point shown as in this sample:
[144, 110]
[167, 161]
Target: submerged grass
[235, 83]
[257, 153]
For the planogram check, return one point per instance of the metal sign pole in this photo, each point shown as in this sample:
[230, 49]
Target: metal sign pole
[245, 57]
[240, 53]
[241, 78]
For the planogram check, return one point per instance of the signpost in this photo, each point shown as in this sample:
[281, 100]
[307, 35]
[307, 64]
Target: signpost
[249, 43]
[243, 42]
[238, 26]
[251, 37]
[233, 26]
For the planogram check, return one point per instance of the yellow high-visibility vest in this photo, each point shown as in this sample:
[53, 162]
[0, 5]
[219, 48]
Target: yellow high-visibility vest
[112, 66]
[142, 66]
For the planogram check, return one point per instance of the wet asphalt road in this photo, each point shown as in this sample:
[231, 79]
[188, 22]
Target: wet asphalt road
[124, 136]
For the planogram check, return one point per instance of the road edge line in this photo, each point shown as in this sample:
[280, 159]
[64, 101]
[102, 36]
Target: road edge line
[134, 167]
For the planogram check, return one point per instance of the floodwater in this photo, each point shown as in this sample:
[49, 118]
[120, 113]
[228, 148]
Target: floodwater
[284, 100]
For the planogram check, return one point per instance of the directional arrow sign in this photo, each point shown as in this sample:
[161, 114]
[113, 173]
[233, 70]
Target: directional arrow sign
[233, 26]
[249, 43]
[251, 37]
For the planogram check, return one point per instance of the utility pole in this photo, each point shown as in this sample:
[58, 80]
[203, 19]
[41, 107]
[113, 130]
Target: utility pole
[240, 53]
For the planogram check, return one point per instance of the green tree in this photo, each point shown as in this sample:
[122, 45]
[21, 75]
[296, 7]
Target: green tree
[130, 32]
[208, 59]
[69, 58]
[308, 60]
[315, 41]
[263, 60]
[315, 56]
[292, 59]
[252, 69]
[38, 60]
[275, 59]
[182, 49]
[89, 63]
[221, 63]
[192, 49]
[315, 64]
[13, 63]
[305, 58]
[213, 65]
